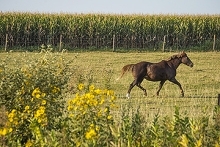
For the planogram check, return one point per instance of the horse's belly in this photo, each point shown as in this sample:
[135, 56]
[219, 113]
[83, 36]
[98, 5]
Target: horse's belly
[152, 78]
[156, 76]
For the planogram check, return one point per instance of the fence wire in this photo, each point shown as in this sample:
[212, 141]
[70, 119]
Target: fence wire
[144, 42]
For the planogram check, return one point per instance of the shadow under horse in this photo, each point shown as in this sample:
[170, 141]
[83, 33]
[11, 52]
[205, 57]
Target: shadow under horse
[161, 71]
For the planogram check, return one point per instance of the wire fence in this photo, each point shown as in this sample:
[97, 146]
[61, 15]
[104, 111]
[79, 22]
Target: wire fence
[59, 42]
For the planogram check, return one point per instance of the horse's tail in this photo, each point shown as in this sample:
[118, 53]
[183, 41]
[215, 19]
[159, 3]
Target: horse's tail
[125, 69]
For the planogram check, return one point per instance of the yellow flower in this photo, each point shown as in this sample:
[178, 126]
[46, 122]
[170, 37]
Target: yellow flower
[91, 88]
[98, 91]
[39, 112]
[27, 108]
[110, 92]
[55, 89]
[10, 130]
[39, 120]
[36, 92]
[37, 95]
[106, 110]
[91, 134]
[3, 132]
[102, 101]
[97, 128]
[69, 108]
[43, 95]
[109, 117]
[13, 111]
[92, 125]
[43, 102]
[81, 86]
[28, 143]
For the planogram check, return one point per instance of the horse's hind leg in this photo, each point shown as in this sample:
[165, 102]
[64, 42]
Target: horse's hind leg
[160, 86]
[142, 88]
[131, 86]
[136, 82]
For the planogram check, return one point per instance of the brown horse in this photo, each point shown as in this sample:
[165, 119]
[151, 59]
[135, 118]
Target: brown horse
[161, 71]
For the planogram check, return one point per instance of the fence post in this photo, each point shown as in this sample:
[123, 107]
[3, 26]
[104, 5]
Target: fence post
[6, 42]
[60, 47]
[218, 99]
[113, 43]
[213, 47]
[164, 41]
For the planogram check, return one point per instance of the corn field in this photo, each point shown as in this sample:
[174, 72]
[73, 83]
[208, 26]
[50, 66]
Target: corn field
[25, 30]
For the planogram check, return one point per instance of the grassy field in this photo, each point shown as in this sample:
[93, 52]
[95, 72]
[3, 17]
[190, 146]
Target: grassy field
[200, 83]
[73, 99]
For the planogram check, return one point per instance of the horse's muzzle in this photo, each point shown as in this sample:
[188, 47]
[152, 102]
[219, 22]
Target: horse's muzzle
[191, 65]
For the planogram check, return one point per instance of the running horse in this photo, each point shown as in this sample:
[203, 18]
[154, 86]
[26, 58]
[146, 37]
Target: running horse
[161, 71]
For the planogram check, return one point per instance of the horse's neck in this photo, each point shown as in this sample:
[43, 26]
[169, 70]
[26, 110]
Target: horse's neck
[175, 62]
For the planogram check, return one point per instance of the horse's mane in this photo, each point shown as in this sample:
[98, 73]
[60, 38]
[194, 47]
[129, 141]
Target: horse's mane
[179, 55]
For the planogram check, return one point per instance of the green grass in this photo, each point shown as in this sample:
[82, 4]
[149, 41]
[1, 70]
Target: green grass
[201, 83]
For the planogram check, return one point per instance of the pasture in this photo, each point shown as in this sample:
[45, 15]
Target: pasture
[201, 85]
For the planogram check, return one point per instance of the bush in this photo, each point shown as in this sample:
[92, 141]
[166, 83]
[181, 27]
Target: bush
[31, 93]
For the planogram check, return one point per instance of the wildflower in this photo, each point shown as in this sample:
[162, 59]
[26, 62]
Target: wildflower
[43, 102]
[28, 143]
[27, 108]
[97, 128]
[106, 109]
[36, 92]
[43, 94]
[39, 112]
[10, 130]
[11, 115]
[13, 111]
[91, 88]
[110, 92]
[98, 91]
[91, 134]
[109, 117]
[70, 107]
[81, 86]
[3, 132]
[39, 120]
[78, 144]
[37, 95]
[55, 89]
[102, 101]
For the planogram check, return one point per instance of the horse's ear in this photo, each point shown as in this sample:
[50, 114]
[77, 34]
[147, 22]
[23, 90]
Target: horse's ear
[183, 54]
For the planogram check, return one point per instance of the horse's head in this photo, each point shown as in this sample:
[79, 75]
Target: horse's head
[185, 59]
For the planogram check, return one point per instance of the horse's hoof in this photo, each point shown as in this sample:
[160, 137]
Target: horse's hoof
[128, 95]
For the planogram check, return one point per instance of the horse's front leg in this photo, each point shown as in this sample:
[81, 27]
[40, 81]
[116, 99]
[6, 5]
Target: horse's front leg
[177, 83]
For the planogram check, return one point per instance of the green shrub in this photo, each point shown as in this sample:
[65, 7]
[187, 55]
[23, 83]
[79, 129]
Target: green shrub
[31, 93]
